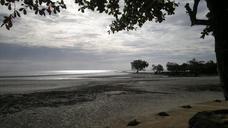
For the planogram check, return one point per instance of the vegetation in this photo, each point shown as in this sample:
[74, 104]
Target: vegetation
[134, 13]
[157, 68]
[193, 67]
[172, 67]
[139, 65]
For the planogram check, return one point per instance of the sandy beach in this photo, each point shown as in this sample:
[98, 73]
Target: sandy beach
[99, 102]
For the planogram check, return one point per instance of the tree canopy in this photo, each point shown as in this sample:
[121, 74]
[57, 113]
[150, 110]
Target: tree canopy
[157, 68]
[128, 14]
[139, 65]
[194, 67]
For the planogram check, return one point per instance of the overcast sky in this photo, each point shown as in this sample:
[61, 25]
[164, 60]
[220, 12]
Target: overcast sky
[74, 40]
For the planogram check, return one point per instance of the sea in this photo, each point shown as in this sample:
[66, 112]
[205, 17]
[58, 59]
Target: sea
[56, 74]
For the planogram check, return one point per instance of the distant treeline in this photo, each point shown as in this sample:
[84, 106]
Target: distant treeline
[192, 67]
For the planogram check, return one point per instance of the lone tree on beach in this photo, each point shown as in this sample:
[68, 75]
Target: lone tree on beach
[134, 13]
[157, 68]
[139, 65]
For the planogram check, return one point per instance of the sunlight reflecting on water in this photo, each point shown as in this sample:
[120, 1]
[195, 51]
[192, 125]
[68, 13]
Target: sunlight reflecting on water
[80, 71]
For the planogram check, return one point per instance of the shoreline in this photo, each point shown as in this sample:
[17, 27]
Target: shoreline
[20, 86]
[100, 102]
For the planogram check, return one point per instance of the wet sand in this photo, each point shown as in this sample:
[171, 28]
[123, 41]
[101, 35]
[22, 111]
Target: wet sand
[98, 102]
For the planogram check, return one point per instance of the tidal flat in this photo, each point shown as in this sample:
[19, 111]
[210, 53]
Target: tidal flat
[98, 102]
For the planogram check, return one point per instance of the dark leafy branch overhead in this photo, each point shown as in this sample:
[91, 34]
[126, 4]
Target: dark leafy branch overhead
[128, 14]
[133, 14]
[39, 7]
[192, 14]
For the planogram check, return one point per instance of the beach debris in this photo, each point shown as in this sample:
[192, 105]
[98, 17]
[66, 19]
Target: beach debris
[210, 119]
[163, 114]
[219, 101]
[187, 106]
[133, 123]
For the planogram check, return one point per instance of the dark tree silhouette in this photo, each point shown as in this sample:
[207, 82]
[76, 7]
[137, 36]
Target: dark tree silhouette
[217, 23]
[210, 67]
[184, 67]
[40, 7]
[157, 68]
[134, 13]
[172, 67]
[192, 67]
[195, 66]
[139, 65]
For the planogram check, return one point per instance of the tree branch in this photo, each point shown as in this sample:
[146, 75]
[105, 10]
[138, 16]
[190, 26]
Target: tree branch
[192, 14]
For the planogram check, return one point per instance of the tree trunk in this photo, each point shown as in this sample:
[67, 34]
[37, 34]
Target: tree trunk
[137, 71]
[222, 60]
[221, 50]
[220, 22]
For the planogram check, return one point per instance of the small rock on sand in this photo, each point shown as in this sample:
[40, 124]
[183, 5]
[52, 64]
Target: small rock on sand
[210, 119]
[163, 114]
[218, 101]
[133, 123]
[187, 106]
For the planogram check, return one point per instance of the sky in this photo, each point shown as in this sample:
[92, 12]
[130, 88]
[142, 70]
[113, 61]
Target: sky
[75, 40]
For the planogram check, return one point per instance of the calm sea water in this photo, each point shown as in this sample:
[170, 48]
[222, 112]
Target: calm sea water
[55, 74]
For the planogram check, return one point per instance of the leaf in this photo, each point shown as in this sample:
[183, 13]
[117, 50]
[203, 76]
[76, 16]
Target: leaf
[48, 2]
[25, 12]
[54, 11]
[2, 2]
[63, 6]
[57, 8]
[40, 12]
[49, 10]
[5, 20]
[15, 14]
[10, 23]
[9, 7]
[7, 27]
[21, 9]
[40, 2]
[43, 12]
[2, 24]
[18, 14]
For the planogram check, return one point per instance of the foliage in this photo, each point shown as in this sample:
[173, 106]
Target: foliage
[139, 65]
[193, 66]
[39, 7]
[157, 68]
[192, 13]
[128, 14]
[172, 67]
